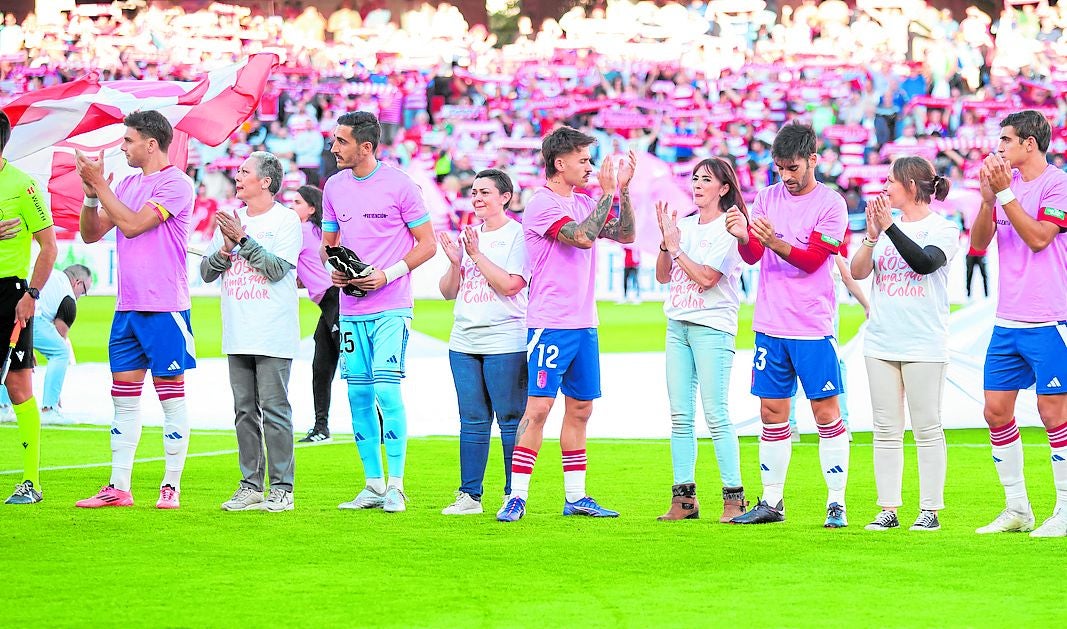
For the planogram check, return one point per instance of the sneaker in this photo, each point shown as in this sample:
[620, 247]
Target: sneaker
[245, 499]
[168, 498]
[366, 499]
[927, 521]
[316, 435]
[465, 504]
[395, 501]
[587, 506]
[7, 414]
[24, 494]
[1055, 526]
[279, 500]
[762, 513]
[107, 497]
[52, 417]
[884, 521]
[1009, 521]
[835, 516]
[512, 511]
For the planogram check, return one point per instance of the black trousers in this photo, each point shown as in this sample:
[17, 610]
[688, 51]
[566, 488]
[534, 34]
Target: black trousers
[977, 261]
[327, 350]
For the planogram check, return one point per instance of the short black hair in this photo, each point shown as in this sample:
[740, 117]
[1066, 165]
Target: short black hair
[1030, 124]
[313, 197]
[794, 141]
[501, 180]
[151, 124]
[5, 131]
[562, 141]
[364, 125]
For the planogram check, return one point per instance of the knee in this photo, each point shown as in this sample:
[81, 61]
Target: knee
[996, 416]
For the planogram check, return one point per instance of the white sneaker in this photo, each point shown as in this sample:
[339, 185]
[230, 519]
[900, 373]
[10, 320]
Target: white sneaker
[279, 500]
[1055, 526]
[366, 499]
[245, 499]
[52, 417]
[7, 414]
[395, 501]
[1009, 521]
[464, 505]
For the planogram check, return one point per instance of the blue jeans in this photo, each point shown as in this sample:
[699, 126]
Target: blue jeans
[487, 385]
[46, 339]
[699, 355]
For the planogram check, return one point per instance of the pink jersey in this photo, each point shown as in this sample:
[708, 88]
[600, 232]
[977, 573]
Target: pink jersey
[152, 269]
[562, 277]
[1033, 286]
[374, 217]
[789, 302]
[310, 270]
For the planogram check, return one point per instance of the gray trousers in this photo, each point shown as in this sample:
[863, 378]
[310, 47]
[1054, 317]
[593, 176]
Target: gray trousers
[262, 416]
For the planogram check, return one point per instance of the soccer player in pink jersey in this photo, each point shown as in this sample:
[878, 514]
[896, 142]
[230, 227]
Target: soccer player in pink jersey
[151, 329]
[378, 212]
[561, 227]
[1024, 200]
[796, 229]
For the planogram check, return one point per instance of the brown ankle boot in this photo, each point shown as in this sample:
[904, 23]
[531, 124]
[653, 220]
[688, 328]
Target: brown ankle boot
[733, 503]
[684, 505]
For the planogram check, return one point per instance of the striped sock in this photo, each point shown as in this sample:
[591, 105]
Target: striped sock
[775, 450]
[175, 430]
[574, 462]
[1008, 459]
[833, 455]
[125, 431]
[1057, 438]
[522, 463]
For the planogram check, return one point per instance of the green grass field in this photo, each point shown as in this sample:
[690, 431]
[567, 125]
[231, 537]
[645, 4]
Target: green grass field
[623, 328]
[317, 566]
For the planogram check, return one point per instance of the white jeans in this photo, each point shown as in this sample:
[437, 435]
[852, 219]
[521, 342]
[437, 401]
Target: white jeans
[922, 385]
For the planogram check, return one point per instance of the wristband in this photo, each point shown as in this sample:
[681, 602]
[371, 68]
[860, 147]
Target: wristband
[397, 270]
[662, 248]
[675, 256]
[1005, 196]
[867, 242]
[91, 202]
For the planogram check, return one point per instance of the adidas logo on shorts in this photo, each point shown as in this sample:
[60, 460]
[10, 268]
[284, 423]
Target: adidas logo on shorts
[173, 366]
[829, 386]
[1054, 383]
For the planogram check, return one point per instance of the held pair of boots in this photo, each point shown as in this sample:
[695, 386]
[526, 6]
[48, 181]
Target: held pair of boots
[685, 506]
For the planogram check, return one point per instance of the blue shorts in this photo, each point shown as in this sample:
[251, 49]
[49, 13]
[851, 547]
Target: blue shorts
[161, 342]
[1018, 358]
[567, 360]
[777, 364]
[374, 349]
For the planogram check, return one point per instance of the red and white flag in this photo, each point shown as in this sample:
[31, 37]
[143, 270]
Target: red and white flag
[86, 114]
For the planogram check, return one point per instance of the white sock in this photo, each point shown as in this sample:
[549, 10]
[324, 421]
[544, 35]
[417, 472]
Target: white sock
[1057, 438]
[377, 485]
[396, 481]
[833, 455]
[775, 450]
[522, 463]
[1008, 458]
[574, 463]
[175, 430]
[125, 432]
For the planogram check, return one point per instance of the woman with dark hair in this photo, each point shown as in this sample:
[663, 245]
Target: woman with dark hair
[487, 348]
[311, 273]
[700, 260]
[906, 343]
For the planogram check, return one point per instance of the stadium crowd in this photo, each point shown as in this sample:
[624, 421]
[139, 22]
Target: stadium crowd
[917, 102]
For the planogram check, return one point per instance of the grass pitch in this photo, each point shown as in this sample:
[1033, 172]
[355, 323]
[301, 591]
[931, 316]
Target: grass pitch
[317, 566]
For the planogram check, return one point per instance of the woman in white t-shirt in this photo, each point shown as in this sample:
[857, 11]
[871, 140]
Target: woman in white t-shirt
[906, 344]
[700, 261]
[487, 350]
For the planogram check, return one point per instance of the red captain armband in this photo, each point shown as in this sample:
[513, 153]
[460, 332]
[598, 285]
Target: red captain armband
[822, 241]
[553, 230]
[1054, 216]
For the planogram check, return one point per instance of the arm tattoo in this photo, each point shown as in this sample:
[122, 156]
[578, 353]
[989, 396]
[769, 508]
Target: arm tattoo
[621, 229]
[592, 225]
